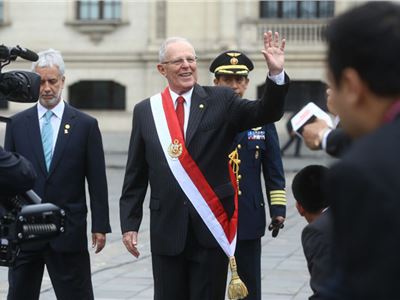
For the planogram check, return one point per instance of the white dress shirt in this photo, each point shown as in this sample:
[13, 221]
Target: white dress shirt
[327, 132]
[55, 120]
[186, 105]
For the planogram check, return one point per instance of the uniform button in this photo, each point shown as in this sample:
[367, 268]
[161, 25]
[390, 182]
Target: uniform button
[239, 177]
[239, 146]
[262, 204]
[238, 161]
[239, 192]
[257, 147]
[184, 202]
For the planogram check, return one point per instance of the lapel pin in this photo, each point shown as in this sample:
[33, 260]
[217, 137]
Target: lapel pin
[201, 106]
[66, 127]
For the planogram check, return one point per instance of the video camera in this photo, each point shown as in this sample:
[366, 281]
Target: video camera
[24, 220]
[18, 86]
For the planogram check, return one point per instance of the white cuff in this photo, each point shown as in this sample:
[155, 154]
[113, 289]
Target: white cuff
[324, 138]
[279, 79]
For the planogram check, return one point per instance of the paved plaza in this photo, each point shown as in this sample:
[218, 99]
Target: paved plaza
[116, 274]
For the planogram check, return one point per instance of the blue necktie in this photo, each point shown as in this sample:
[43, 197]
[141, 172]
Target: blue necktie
[47, 138]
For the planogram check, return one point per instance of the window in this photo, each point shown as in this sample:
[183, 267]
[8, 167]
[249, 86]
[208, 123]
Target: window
[297, 9]
[93, 10]
[99, 94]
[1, 11]
[288, 9]
[326, 9]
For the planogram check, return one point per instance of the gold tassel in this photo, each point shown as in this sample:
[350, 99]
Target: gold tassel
[234, 161]
[236, 289]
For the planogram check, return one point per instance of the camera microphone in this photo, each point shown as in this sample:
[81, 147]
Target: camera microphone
[24, 53]
[11, 53]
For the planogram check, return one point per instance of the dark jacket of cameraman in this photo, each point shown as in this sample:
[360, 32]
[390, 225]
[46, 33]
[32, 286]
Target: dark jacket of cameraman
[16, 174]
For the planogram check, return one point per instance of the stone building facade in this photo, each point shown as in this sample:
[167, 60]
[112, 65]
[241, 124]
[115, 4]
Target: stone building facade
[111, 47]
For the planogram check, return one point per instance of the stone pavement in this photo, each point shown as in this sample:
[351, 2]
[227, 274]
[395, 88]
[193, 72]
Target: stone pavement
[118, 275]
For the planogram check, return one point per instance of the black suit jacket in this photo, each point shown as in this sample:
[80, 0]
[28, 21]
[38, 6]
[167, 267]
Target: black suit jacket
[16, 174]
[78, 155]
[209, 136]
[337, 142]
[316, 241]
[364, 192]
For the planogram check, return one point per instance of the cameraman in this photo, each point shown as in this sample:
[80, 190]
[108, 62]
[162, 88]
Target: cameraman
[16, 174]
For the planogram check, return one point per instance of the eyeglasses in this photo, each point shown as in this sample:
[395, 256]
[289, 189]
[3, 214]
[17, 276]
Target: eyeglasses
[181, 61]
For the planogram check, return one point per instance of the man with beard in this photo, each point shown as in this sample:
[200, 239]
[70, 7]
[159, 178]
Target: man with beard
[64, 146]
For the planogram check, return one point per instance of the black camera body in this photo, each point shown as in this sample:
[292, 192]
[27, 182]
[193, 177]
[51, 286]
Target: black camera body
[24, 219]
[26, 222]
[18, 86]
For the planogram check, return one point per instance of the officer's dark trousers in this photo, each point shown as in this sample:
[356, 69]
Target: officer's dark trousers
[248, 260]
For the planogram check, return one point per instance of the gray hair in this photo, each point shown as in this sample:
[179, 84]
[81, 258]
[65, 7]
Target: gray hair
[50, 58]
[168, 41]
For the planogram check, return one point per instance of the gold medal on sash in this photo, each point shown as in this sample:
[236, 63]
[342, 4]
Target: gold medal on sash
[175, 149]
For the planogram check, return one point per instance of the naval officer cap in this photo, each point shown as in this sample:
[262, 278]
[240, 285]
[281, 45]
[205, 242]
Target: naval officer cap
[231, 62]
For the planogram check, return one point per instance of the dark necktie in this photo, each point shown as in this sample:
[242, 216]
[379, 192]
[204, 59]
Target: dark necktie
[180, 113]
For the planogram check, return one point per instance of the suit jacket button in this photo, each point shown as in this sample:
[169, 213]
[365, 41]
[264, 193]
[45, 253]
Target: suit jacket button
[184, 202]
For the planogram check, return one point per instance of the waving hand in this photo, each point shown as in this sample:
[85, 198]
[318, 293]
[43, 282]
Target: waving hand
[274, 52]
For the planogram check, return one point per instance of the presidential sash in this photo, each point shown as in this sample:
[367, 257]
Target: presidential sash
[195, 186]
[190, 177]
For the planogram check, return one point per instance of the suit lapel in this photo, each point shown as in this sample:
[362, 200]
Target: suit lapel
[64, 134]
[35, 139]
[198, 106]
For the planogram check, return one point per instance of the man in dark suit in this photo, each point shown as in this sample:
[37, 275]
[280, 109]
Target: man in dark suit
[187, 262]
[16, 174]
[316, 236]
[363, 188]
[65, 148]
[257, 148]
[318, 135]
[337, 142]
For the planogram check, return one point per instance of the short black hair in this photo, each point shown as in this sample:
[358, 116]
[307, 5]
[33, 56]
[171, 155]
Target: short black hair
[307, 188]
[367, 38]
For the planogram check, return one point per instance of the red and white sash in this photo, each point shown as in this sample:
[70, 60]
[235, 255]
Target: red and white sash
[190, 177]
